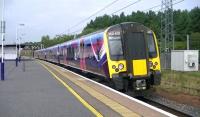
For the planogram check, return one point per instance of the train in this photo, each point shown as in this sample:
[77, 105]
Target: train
[125, 54]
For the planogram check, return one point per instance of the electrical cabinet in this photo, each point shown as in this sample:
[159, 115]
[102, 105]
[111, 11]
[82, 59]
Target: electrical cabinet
[185, 60]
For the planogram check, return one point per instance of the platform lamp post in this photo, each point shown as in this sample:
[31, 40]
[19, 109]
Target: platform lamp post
[20, 39]
[2, 41]
[18, 48]
[16, 60]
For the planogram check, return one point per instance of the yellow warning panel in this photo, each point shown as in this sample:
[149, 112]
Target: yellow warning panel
[140, 67]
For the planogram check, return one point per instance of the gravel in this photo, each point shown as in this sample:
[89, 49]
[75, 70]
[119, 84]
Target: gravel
[187, 109]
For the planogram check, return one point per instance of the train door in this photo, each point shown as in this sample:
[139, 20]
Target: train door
[82, 56]
[58, 54]
[65, 55]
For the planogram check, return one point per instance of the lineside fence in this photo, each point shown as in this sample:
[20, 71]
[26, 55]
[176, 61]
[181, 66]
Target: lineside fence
[179, 81]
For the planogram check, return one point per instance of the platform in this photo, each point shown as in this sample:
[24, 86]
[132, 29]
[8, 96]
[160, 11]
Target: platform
[40, 89]
[35, 93]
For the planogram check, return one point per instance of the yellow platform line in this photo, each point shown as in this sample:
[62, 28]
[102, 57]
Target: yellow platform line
[107, 101]
[87, 105]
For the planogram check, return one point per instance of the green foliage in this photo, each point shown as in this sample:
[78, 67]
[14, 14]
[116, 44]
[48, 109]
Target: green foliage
[150, 19]
[47, 42]
[182, 22]
[195, 41]
[87, 31]
[180, 45]
[195, 19]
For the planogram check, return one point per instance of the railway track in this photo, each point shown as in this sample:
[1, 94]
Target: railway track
[143, 98]
[163, 107]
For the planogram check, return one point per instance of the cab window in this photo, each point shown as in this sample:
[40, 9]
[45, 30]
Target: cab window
[151, 46]
[115, 47]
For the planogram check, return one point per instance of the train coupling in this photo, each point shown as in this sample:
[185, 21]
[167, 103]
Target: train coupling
[140, 84]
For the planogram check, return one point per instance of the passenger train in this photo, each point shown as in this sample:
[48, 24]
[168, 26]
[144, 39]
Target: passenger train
[126, 54]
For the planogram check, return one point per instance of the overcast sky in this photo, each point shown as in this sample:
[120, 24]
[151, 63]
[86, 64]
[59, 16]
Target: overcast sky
[52, 17]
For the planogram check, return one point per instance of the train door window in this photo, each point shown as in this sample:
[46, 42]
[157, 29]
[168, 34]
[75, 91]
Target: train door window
[68, 52]
[88, 52]
[81, 49]
[72, 52]
[65, 50]
[98, 46]
[76, 51]
[62, 51]
[50, 53]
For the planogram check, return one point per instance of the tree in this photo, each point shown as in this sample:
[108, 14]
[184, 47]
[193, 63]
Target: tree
[45, 41]
[181, 24]
[195, 41]
[195, 20]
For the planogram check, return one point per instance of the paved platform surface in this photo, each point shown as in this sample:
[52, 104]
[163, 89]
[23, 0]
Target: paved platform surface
[35, 93]
[41, 89]
[105, 99]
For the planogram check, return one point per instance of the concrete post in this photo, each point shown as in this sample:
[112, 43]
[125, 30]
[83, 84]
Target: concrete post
[188, 42]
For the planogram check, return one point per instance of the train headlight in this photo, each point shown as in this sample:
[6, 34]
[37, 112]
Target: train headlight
[120, 66]
[114, 67]
[156, 63]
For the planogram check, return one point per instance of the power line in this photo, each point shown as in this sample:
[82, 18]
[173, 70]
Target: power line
[126, 6]
[111, 13]
[82, 21]
[76, 31]
[178, 2]
[172, 4]
[118, 11]
[152, 7]
[160, 6]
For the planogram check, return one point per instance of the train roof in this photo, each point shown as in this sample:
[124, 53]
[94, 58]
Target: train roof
[90, 34]
[135, 23]
[96, 32]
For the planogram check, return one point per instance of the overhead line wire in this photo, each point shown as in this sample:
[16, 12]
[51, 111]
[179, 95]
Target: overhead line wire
[117, 10]
[126, 6]
[172, 4]
[133, 4]
[80, 22]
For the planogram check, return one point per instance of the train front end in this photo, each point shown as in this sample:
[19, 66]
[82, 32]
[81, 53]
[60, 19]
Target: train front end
[133, 58]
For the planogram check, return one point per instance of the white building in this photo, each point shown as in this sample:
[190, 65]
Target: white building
[10, 51]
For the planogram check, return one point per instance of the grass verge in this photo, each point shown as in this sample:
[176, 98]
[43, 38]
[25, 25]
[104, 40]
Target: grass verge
[181, 82]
